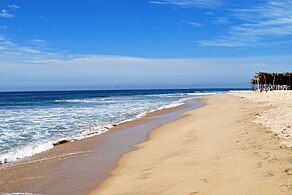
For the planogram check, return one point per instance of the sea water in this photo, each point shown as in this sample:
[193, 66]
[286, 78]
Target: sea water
[32, 122]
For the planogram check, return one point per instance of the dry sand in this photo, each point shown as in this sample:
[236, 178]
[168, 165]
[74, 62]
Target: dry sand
[216, 149]
[278, 112]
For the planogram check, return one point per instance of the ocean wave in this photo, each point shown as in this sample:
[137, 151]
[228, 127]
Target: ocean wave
[82, 122]
[31, 150]
[91, 100]
[24, 152]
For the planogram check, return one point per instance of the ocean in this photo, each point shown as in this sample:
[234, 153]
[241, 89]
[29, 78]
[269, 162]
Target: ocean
[33, 122]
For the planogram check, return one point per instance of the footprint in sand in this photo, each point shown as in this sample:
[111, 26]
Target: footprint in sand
[259, 165]
[205, 180]
[289, 171]
[284, 187]
[270, 173]
[273, 160]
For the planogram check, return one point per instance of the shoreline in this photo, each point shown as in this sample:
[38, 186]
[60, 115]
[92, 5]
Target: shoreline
[207, 152]
[114, 126]
[81, 154]
[87, 134]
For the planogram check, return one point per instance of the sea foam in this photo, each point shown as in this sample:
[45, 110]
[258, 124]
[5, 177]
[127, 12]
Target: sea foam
[36, 126]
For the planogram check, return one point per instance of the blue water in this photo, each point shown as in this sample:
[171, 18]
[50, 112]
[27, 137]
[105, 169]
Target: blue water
[30, 122]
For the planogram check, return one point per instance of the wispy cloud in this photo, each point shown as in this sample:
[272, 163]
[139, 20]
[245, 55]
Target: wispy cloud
[195, 24]
[189, 3]
[39, 42]
[221, 21]
[264, 24]
[4, 27]
[13, 6]
[97, 71]
[192, 24]
[6, 14]
[27, 66]
[209, 13]
[33, 52]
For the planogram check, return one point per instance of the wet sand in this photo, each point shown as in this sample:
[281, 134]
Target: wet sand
[215, 149]
[78, 167]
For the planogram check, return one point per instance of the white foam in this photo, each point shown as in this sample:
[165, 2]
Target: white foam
[25, 152]
[76, 123]
[87, 134]
[143, 114]
[98, 131]
[89, 100]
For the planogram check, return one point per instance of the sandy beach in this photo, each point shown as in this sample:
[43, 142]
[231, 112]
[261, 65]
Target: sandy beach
[147, 97]
[228, 146]
[78, 167]
[277, 114]
[238, 143]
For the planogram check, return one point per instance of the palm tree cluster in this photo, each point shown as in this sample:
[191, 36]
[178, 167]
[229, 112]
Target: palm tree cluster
[271, 81]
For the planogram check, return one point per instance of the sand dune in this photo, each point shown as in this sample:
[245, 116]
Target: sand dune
[216, 149]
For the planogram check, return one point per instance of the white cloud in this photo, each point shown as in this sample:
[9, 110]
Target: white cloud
[45, 68]
[4, 27]
[6, 14]
[95, 71]
[27, 53]
[159, 2]
[39, 42]
[263, 24]
[222, 21]
[189, 3]
[195, 24]
[13, 6]
[192, 24]
[208, 13]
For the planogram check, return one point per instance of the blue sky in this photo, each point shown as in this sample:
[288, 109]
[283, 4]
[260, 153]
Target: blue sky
[117, 44]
